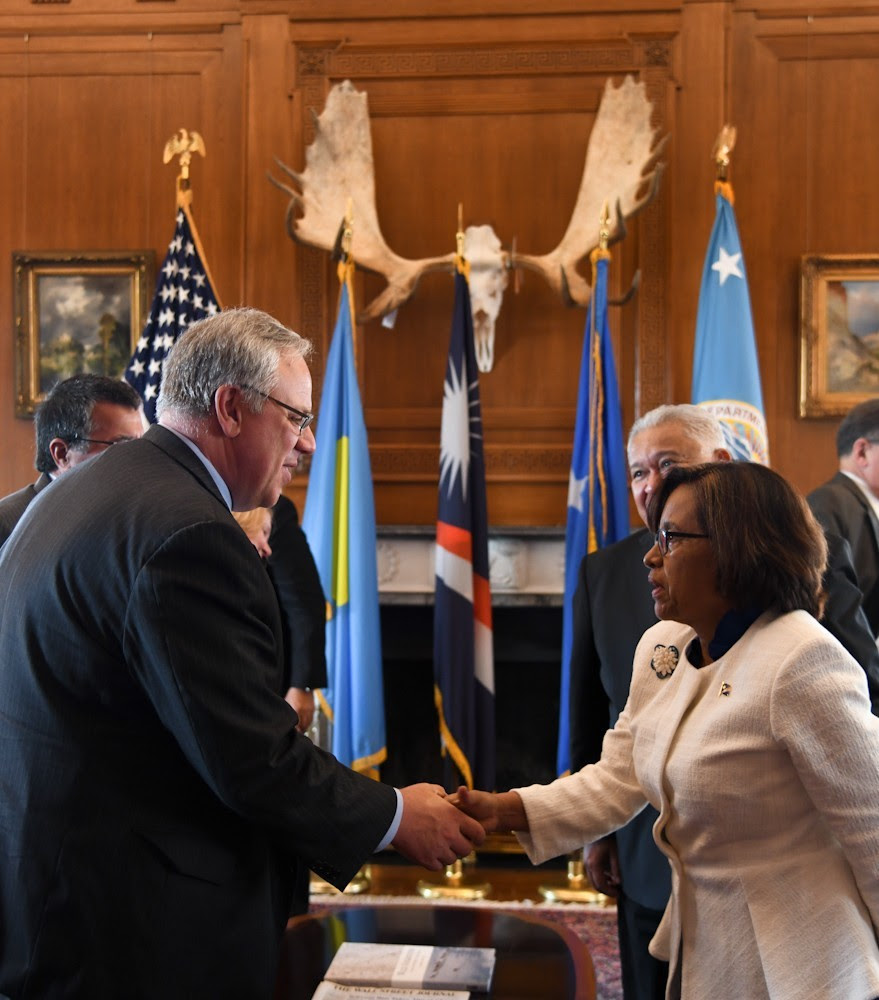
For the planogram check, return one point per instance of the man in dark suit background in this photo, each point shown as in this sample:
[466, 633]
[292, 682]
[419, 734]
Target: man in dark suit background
[157, 797]
[849, 503]
[80, 417]
[612, 609]
[303, 609]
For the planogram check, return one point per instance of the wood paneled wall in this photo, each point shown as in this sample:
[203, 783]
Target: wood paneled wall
[488, 103]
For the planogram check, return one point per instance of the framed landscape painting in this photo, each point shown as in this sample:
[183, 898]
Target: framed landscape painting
[839, 333]
[76, 312]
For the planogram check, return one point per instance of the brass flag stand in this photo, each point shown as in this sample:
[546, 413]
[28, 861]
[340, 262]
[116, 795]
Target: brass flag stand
[456, 883]
[577, 888]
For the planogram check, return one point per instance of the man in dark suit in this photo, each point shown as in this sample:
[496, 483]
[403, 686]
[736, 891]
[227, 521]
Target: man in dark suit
[80, 417]
[612, 609]
[849, 503]
[156, 796]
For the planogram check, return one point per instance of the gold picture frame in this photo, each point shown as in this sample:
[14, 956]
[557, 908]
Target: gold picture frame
[839, 332]
[76, 312]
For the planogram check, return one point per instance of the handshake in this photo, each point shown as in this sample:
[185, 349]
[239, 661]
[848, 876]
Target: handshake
[436, 829]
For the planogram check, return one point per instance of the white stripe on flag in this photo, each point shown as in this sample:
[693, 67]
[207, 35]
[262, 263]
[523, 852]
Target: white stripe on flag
[483, 656]
[455, 572]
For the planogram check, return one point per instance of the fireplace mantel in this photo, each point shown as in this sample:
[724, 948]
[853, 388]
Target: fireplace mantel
[527, 565]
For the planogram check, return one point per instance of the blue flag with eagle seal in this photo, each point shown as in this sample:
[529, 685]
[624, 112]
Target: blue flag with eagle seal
[463, 648]
[598, 490]
[339, 523]
[726, 373]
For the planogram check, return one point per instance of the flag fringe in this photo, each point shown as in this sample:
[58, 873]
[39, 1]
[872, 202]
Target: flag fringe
[449, 741]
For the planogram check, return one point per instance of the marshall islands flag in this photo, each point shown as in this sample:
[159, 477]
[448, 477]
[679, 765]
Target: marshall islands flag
[463, 649]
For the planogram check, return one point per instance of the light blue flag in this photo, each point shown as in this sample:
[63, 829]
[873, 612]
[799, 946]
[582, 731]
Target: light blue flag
[726, 375]
[339, 522]
[598, 492]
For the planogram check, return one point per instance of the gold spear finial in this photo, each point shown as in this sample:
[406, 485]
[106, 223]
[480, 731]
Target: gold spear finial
[601, 252]
[723, 147]
[604, 227]
[462, 265]
[183, 144]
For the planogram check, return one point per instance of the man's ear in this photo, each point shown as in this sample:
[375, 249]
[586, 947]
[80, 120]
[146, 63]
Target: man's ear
[228, 408]
[721, 455]
[859, 449]
[58, 449]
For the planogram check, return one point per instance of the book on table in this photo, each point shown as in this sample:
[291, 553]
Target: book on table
[338, 991]
[415, 966]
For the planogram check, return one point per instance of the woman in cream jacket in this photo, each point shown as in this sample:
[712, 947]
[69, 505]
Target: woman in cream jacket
[749, 728]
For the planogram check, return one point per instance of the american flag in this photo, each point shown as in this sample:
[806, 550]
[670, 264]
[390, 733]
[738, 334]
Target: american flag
[463, 655]
[184, 294]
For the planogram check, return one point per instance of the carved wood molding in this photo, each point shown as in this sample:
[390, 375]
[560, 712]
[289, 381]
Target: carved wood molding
[312, 262]
[651, 364]
[479, 61]
[815, 45]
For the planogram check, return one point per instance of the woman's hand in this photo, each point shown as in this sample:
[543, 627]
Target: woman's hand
[494, 810]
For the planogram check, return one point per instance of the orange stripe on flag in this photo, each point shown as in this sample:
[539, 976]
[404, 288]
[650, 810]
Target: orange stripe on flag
[455, 540]
[481, 600]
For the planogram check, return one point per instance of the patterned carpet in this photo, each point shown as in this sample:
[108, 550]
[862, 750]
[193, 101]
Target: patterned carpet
[595, 925]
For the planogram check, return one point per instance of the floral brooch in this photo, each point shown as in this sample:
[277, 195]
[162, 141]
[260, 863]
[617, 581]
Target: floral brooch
[665, 659]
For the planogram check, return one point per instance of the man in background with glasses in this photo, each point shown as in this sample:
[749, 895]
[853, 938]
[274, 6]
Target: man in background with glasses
[849, 503]
[81, 417]
[612, 609]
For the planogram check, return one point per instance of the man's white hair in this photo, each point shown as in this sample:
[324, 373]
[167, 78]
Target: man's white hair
[236, 347]
[699, 424]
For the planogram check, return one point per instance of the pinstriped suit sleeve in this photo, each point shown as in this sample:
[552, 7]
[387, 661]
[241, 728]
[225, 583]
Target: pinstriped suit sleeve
[207, 658]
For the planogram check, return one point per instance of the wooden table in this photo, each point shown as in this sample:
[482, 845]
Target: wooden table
[536, 959]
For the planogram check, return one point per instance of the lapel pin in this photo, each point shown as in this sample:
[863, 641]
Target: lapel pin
[725, 690]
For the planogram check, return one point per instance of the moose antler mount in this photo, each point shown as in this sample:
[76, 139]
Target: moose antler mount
[622, 170]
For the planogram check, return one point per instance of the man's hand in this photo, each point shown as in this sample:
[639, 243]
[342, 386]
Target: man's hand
[303, 703]
[433, 833]
[603, 866]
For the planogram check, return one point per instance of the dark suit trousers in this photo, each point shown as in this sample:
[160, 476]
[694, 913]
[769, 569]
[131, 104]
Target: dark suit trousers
[644, 977]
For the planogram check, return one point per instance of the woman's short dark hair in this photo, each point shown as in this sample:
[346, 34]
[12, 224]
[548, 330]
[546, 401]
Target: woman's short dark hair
[769, 548]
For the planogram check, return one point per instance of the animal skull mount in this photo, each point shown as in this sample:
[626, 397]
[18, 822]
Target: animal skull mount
[622, 169]
[488, 279]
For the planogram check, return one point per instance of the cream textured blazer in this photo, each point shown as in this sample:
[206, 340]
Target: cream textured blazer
[764, 766]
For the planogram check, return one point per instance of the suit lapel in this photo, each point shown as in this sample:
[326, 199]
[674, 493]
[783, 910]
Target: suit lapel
[184, 456]
[639, 605]
[858, 494]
